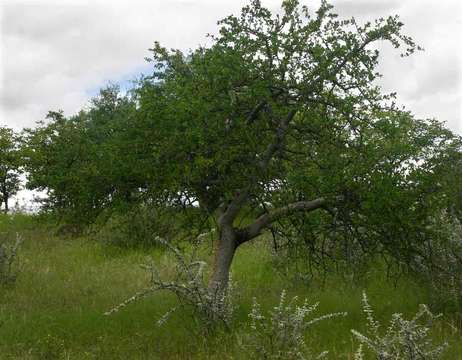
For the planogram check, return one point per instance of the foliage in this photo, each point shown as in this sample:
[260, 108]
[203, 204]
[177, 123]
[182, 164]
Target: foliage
[281, 334]
[403, 339]
[83, 162]
[10, 164]
[269, 111]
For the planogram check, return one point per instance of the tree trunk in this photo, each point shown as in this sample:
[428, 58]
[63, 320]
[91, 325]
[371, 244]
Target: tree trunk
[5, 200]
[223, 256]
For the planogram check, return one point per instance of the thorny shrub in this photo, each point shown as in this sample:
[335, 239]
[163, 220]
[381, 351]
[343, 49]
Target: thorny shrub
[402, 340]
[281, 333]
[189, 286]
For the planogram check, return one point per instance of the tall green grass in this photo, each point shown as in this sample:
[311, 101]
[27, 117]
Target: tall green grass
[55, 309]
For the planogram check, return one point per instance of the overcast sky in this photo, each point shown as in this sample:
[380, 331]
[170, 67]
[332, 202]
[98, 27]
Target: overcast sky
[57, 54]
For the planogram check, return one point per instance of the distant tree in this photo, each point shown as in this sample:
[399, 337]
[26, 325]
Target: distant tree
[82, 162]
[10, 164]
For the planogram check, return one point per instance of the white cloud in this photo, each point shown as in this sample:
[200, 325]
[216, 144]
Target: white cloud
[55, 53]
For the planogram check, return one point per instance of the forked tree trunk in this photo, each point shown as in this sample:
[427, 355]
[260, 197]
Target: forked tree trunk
[223, 256]
[230, 238]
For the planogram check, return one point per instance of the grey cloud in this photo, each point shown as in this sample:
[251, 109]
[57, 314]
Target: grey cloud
[361, 8]
[54, 53]
[428, 83]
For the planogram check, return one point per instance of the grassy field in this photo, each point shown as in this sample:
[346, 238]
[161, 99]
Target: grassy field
[55, 309]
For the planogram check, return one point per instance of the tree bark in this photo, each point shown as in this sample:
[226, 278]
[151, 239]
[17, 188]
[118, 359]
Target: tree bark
[223, 256]
[260, 224]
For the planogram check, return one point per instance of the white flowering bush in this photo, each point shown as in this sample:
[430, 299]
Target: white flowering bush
[402, 340]
[9, 260]
[189, 286]
[281, 333]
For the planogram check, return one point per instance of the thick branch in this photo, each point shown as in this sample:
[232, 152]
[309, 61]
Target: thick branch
[278, 142]
[228, 215]
[256, 110]
[264, 221]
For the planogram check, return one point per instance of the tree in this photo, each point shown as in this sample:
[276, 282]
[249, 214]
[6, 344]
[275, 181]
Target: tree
[282, 116]
[279, 124]
[83, 162]
[10, 163]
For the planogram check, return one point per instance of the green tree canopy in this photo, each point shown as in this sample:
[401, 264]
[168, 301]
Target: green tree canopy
[279, 122]
[84, 162]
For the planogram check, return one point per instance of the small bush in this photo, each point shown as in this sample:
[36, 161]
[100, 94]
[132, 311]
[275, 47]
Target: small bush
[9, 261]
[403, 339]
[281, 334]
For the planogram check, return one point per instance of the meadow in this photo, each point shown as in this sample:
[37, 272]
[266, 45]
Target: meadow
[65, 284]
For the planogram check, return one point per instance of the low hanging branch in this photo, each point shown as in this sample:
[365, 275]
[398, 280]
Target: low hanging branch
[262, 223]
